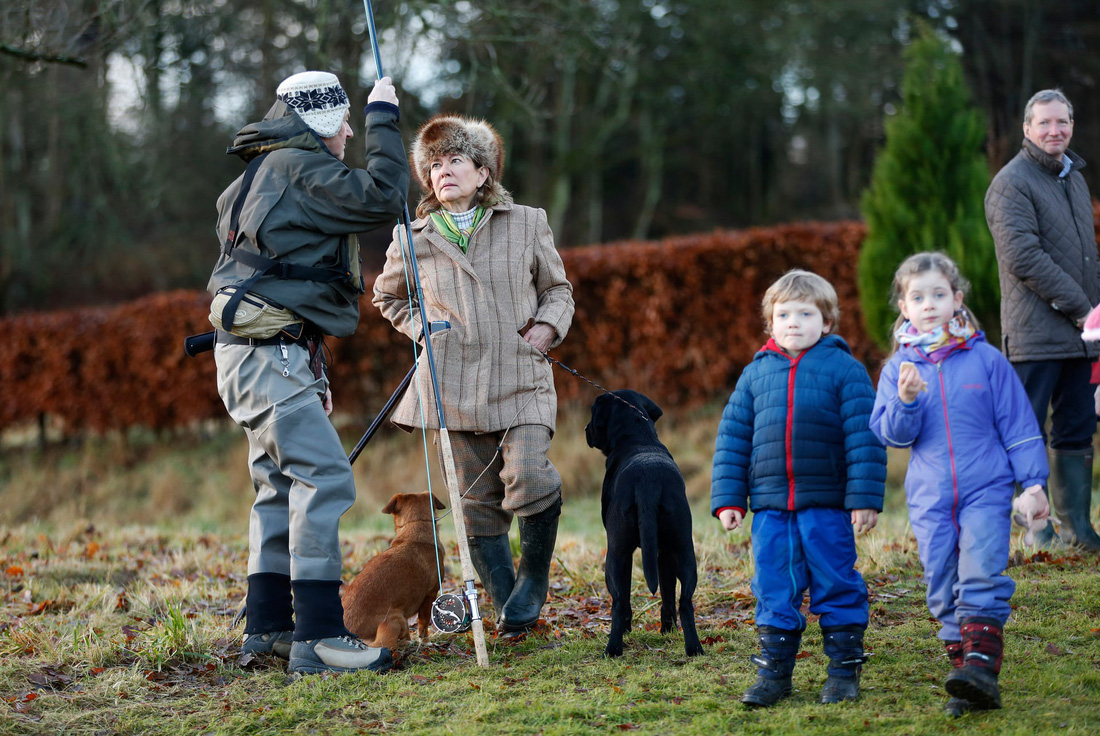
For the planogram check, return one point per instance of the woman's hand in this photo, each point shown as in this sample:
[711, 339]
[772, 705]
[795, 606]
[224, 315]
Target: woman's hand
[541, 336]
[730, 518]
[909, 383]
[383, 91]
[326, 401]
[864, 520]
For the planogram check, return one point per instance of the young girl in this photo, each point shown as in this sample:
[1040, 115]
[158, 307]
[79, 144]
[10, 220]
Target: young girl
[956, 402]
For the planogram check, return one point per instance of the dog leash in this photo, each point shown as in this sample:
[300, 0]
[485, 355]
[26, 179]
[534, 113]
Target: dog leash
[600, 388]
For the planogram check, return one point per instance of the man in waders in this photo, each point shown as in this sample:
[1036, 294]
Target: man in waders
[287, 276]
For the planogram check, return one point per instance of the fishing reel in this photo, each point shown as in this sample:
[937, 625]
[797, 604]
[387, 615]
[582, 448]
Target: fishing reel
[450, 614]
[454, 612]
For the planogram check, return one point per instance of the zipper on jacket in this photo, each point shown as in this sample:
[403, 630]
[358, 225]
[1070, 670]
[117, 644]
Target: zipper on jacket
[788, 435]
[950, 448]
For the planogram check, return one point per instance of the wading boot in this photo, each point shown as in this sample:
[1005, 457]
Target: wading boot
[537, 535]
[955, 706]
[492, 558]
[774, 665]
[1071, 496]
[269, 615]
[976, 680]
[843, 646]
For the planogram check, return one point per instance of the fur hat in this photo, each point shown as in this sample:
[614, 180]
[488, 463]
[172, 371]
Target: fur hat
[474, 139]
[318, 98]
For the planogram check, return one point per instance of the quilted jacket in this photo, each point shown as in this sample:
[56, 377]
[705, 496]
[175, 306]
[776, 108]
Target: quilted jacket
[795, 434]
[1046, 248]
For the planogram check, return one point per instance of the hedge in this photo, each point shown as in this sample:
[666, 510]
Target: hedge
[676, 319]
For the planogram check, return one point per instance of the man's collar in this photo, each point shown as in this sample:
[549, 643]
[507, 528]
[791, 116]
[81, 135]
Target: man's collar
[1053, 166]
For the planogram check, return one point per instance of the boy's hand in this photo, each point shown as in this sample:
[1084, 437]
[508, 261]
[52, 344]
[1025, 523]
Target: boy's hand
[864, 520]
[730, 518]
[910, 383]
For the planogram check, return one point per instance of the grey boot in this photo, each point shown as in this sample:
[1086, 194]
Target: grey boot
[537, 535]
[774, 667]
[1071, 496]
[843, 646]
[492, 558]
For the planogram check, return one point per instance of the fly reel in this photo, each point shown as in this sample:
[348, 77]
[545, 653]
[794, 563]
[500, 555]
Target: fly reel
[451, 614]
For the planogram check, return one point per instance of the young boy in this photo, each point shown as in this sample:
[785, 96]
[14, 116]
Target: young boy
[795, 441]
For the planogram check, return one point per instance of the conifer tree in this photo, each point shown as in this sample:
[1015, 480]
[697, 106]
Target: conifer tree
[928, 188]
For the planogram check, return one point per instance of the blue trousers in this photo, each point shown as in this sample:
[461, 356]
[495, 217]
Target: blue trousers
[964, 551]
[813, 549]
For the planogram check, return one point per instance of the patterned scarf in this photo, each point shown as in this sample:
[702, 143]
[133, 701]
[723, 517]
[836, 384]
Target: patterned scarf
[940, 341]
[448, 228]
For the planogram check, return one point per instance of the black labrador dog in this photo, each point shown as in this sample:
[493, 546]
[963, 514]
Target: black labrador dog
[644, 505]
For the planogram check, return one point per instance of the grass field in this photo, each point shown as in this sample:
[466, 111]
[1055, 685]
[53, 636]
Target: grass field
[122, 563]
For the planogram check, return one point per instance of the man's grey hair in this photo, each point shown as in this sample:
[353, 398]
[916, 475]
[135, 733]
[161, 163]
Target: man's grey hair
[1044, 96]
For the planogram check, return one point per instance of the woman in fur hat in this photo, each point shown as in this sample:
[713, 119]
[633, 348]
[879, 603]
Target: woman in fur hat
[497, 296]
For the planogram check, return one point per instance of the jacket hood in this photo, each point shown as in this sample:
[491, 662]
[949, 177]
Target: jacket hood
[280, 128]
[826, 343]
[1047, 162]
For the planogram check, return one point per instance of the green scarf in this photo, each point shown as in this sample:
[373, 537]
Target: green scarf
[447, 227]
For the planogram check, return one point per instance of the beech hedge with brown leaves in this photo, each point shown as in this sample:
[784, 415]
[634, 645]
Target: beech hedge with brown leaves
[676, 319]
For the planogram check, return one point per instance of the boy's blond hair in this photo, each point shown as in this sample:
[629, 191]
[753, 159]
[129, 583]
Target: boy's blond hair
[802, 286]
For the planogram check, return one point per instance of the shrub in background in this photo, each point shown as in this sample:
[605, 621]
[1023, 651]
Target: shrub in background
[675, 319]
[927, 190]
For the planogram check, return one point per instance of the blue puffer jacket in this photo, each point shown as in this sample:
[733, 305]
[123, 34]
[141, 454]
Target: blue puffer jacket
[820, 454]
[973, 429]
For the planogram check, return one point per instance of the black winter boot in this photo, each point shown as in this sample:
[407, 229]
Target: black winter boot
[537, 535]
[956, 706]
[843, 646]
[774, 665]
[976, 680]
[492, 558]
[1071, 496]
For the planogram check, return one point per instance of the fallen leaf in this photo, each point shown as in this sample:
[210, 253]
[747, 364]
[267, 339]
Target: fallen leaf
[1054, 649]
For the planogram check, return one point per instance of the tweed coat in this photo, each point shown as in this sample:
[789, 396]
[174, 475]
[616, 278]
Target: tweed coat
[1046, 253]
[490, 378]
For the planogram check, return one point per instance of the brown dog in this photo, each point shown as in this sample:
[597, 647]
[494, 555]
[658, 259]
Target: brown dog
[400, 581]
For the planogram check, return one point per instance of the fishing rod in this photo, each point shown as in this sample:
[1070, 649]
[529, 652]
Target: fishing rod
[445, 604]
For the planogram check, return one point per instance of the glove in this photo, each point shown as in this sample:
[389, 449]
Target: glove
[1031, 510]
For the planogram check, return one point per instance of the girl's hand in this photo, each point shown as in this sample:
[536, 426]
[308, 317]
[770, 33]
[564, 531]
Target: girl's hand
[1096, 401]
[910, 383]
[326, 401]
[864, 520]
[1032, 504]
[730, 518]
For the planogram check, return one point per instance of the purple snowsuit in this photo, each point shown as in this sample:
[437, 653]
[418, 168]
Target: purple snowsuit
[972, 435]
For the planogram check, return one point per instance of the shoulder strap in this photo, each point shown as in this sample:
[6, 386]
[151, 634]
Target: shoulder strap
[263, 266]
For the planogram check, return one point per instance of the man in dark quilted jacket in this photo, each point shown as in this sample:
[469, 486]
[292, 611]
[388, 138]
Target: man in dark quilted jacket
[1040, 213]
